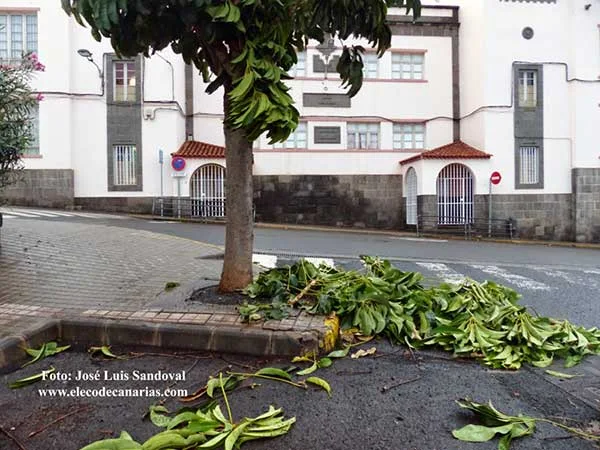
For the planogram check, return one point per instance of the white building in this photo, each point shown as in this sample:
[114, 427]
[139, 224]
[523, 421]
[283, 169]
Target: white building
[474, 87]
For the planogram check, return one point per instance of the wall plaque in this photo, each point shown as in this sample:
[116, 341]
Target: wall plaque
[326, 100]
[328, 135]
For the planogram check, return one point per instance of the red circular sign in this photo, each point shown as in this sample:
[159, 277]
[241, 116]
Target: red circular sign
[495, 178]
[178, 163]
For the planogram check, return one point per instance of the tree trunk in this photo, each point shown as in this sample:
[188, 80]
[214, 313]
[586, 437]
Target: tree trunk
[239, 232]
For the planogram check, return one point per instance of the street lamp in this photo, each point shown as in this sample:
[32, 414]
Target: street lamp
[85, 53]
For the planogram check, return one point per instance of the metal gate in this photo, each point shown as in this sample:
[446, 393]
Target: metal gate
[411, 197]
[207, 191]
[455, 195]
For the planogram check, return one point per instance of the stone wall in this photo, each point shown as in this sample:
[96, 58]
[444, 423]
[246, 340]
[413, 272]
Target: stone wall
[134, 205]
[586, 193]
[373, 201]
[47, 188]
[536, 216]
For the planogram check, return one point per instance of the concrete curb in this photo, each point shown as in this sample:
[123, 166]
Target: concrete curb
[391, 233]
[227, 339]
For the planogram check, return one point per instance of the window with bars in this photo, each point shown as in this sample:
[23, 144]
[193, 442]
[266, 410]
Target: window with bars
[18, 36]
[125, 162]
[34, 143]
[527, 88]
[298, 139]
[363, 135]
[529, 165]
[409, 136]
[124, 81]
[299, 69]
[370, 65]
[407, 66]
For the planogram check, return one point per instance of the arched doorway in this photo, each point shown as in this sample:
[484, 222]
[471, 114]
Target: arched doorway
[207, 191]
[411, 197]
[455, 195]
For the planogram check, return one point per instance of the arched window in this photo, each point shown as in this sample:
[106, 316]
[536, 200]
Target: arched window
[207, 191]
[411, 197]
[455, 195]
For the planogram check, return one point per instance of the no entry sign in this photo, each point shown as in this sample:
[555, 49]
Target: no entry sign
[178, 163]
[496, 178]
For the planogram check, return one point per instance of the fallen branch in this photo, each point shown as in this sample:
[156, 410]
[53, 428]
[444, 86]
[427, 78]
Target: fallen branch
[63, 417]
[302, 293]
[389, 388]
[12, 438]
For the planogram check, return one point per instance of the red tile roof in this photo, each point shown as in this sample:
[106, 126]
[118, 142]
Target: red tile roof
[455, 150]
[195, 149]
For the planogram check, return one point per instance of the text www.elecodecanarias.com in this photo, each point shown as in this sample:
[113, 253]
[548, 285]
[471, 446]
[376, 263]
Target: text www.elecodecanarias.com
[111, 392]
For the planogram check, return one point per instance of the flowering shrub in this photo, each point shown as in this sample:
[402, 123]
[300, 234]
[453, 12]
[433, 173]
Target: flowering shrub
[17, 101]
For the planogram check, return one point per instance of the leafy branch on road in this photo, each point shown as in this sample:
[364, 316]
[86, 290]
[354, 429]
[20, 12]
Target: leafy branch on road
[508, 427]
[207, 427]
[470, 319]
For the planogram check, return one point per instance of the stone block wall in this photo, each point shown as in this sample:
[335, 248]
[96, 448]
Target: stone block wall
[47, 188]
[373, 201]
[134, 205]
[537, 216]
[586, 193]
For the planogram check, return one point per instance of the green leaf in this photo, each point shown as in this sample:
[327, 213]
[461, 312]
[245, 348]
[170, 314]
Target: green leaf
[566, 376]
[104, 350]
[32, 379]
[274, 372]
[479, 433]
[321, 383]
[160, 420]
[308, 370]
[211, 385]
[124, 442]
[324, 363]
[183, 417]
[339, 353]
[302, 359]
[47, 349]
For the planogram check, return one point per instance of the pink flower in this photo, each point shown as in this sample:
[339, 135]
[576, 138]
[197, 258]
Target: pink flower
[39, 97]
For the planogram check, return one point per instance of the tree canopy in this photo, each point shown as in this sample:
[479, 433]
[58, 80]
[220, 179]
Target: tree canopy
[16, 104]
[249, 45]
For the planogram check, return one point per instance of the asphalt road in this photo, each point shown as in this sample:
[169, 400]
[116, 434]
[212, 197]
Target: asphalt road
[416, 412]
[560, 282]
[394, 401]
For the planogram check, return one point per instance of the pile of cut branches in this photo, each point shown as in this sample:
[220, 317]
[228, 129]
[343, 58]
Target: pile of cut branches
[471, 319]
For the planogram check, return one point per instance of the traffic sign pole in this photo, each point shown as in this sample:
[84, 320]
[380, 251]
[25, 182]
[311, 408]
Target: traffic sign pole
[495, 178]
[490, 211]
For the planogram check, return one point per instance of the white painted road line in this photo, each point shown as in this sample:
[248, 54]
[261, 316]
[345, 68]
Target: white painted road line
[51, 214]
[444, 272]
[318, 261]
[36, 213]
[517, 280]
[20, 214]
[268, 261]
[570, 277]
[4, 216]
[417, 239]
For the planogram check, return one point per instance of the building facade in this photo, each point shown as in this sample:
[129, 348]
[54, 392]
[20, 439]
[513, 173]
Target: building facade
[470, 89]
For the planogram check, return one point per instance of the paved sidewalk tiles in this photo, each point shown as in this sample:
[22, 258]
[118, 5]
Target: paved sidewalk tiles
[78, 281]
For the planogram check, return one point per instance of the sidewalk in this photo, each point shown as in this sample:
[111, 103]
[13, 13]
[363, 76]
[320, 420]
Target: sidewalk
[89, 276]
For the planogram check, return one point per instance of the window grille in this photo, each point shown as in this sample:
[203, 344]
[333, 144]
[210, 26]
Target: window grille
[125, 158]
[529, 165]
[455, 195]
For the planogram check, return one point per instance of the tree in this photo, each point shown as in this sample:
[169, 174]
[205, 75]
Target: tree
[248, 45]
[16, 104]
